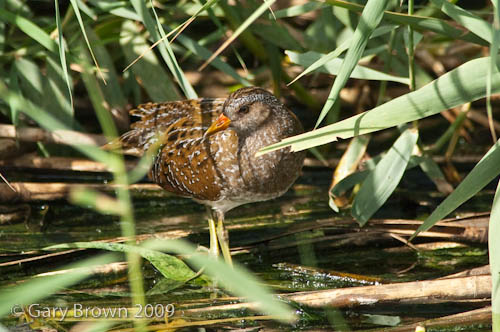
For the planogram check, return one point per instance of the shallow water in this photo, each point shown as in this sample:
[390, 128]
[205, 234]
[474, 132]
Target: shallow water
[294, 243]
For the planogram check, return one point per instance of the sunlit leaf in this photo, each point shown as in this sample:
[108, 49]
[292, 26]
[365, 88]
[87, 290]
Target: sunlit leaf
[30, 29]
[370, 18]
[419, 23]
[333, 67]
[482, 174]
[382, 181]
[347, 165]
[298, 9]
[472, 22]
[464, 84]
[324, 59]
[494, 253]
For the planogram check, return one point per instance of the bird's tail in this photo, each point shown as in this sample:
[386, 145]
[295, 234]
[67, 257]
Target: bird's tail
[132, 143]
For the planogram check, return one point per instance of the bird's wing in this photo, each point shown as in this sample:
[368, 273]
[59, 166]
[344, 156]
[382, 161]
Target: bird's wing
[186, 161]
[157, 118]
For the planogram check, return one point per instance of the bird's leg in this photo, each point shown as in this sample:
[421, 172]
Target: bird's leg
[223, 237]
[214, 246]
[213, 252]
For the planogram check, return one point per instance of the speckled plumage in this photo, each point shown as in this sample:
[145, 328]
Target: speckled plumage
[219, 170]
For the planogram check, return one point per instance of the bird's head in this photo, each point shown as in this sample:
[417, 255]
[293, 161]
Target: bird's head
[245, 110]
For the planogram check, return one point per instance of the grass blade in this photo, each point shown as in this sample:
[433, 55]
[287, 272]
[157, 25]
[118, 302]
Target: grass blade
[324, 59]
[116, 8]
[164, 47]
[347, 165]
[298, 9]
[92, 199]
[74, 4]
[370, 18]
[473, 23]
[482, 174]
[419, 23]
[86, 9]
[148, 71]
[445, 92]
[353, 179]
[31, 29]
[494, 226]
[434, 173]
[62, 55]
[114, 99]
[255, 15]
[46, 91]
[205, 53]
[494, 253]
[382, 181]
[96, 95]
[31, 80]
[238, 281]
[38, 288]
[3, 30]
[169, 266]
[495, 36]
[50, 122]
[334, 67]
[57, 99]
[277, 35]
[14, 86]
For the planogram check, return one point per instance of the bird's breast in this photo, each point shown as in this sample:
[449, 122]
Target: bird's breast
[249, 178]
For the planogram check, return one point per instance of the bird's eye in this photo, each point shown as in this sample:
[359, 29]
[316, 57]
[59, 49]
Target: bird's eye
[243, 109]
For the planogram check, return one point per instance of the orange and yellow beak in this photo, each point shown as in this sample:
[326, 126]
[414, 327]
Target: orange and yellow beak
[221, 123]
